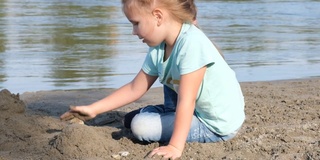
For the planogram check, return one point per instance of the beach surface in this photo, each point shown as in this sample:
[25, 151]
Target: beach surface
[282, 122]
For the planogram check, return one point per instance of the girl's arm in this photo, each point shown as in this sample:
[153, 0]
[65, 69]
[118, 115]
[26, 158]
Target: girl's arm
[188, 90]
[126, 94]
[122, 96]
[189, 87]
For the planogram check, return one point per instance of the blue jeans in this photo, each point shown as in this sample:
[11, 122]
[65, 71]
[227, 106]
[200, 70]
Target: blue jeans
[156, 123]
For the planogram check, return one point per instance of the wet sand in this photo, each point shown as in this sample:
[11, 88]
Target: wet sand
[282, 122]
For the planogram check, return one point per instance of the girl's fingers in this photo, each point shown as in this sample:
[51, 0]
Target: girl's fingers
[165, 152]
[66, 116]
[74, 112]
[158, 152]
[81, 116]
[153, 152]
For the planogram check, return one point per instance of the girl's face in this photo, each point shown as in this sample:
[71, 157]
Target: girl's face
[145, 26]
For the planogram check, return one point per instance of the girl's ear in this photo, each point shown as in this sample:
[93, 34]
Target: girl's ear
[158, 15]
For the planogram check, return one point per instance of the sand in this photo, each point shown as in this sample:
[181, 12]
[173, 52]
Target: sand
[282, 122]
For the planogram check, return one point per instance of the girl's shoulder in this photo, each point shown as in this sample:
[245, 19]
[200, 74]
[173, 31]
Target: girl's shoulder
[192, 33]
[192, 36]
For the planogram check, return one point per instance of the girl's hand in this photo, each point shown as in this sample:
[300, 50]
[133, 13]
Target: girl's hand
[167, 152]
[82, 112]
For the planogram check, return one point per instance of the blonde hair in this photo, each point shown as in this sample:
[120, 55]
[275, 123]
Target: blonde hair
[183, 11]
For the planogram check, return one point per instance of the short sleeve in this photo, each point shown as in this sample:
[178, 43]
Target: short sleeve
[149, 65]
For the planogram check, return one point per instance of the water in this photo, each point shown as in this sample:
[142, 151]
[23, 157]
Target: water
[52, 45]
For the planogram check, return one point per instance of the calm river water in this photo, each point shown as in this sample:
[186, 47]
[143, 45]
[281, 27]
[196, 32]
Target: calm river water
[67, 44]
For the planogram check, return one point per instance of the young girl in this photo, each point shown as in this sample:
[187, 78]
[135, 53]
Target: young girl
[203, 99]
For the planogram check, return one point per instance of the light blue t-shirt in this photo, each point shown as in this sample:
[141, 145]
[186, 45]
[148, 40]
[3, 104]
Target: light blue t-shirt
[220, 103]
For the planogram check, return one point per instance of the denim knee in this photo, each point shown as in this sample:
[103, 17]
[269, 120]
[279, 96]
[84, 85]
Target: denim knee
[147, 126]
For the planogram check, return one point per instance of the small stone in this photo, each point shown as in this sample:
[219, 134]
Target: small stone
[116, 156]
[124, 153]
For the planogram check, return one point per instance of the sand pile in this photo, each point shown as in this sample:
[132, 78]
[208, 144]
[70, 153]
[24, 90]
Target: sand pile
[10, 103]
[35, 136]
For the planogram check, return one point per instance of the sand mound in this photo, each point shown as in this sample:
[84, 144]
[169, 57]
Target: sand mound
[10, 103]
[80, 141]
[34, 136]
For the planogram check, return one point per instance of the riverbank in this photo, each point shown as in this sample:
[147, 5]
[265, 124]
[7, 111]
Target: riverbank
[282, 122]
